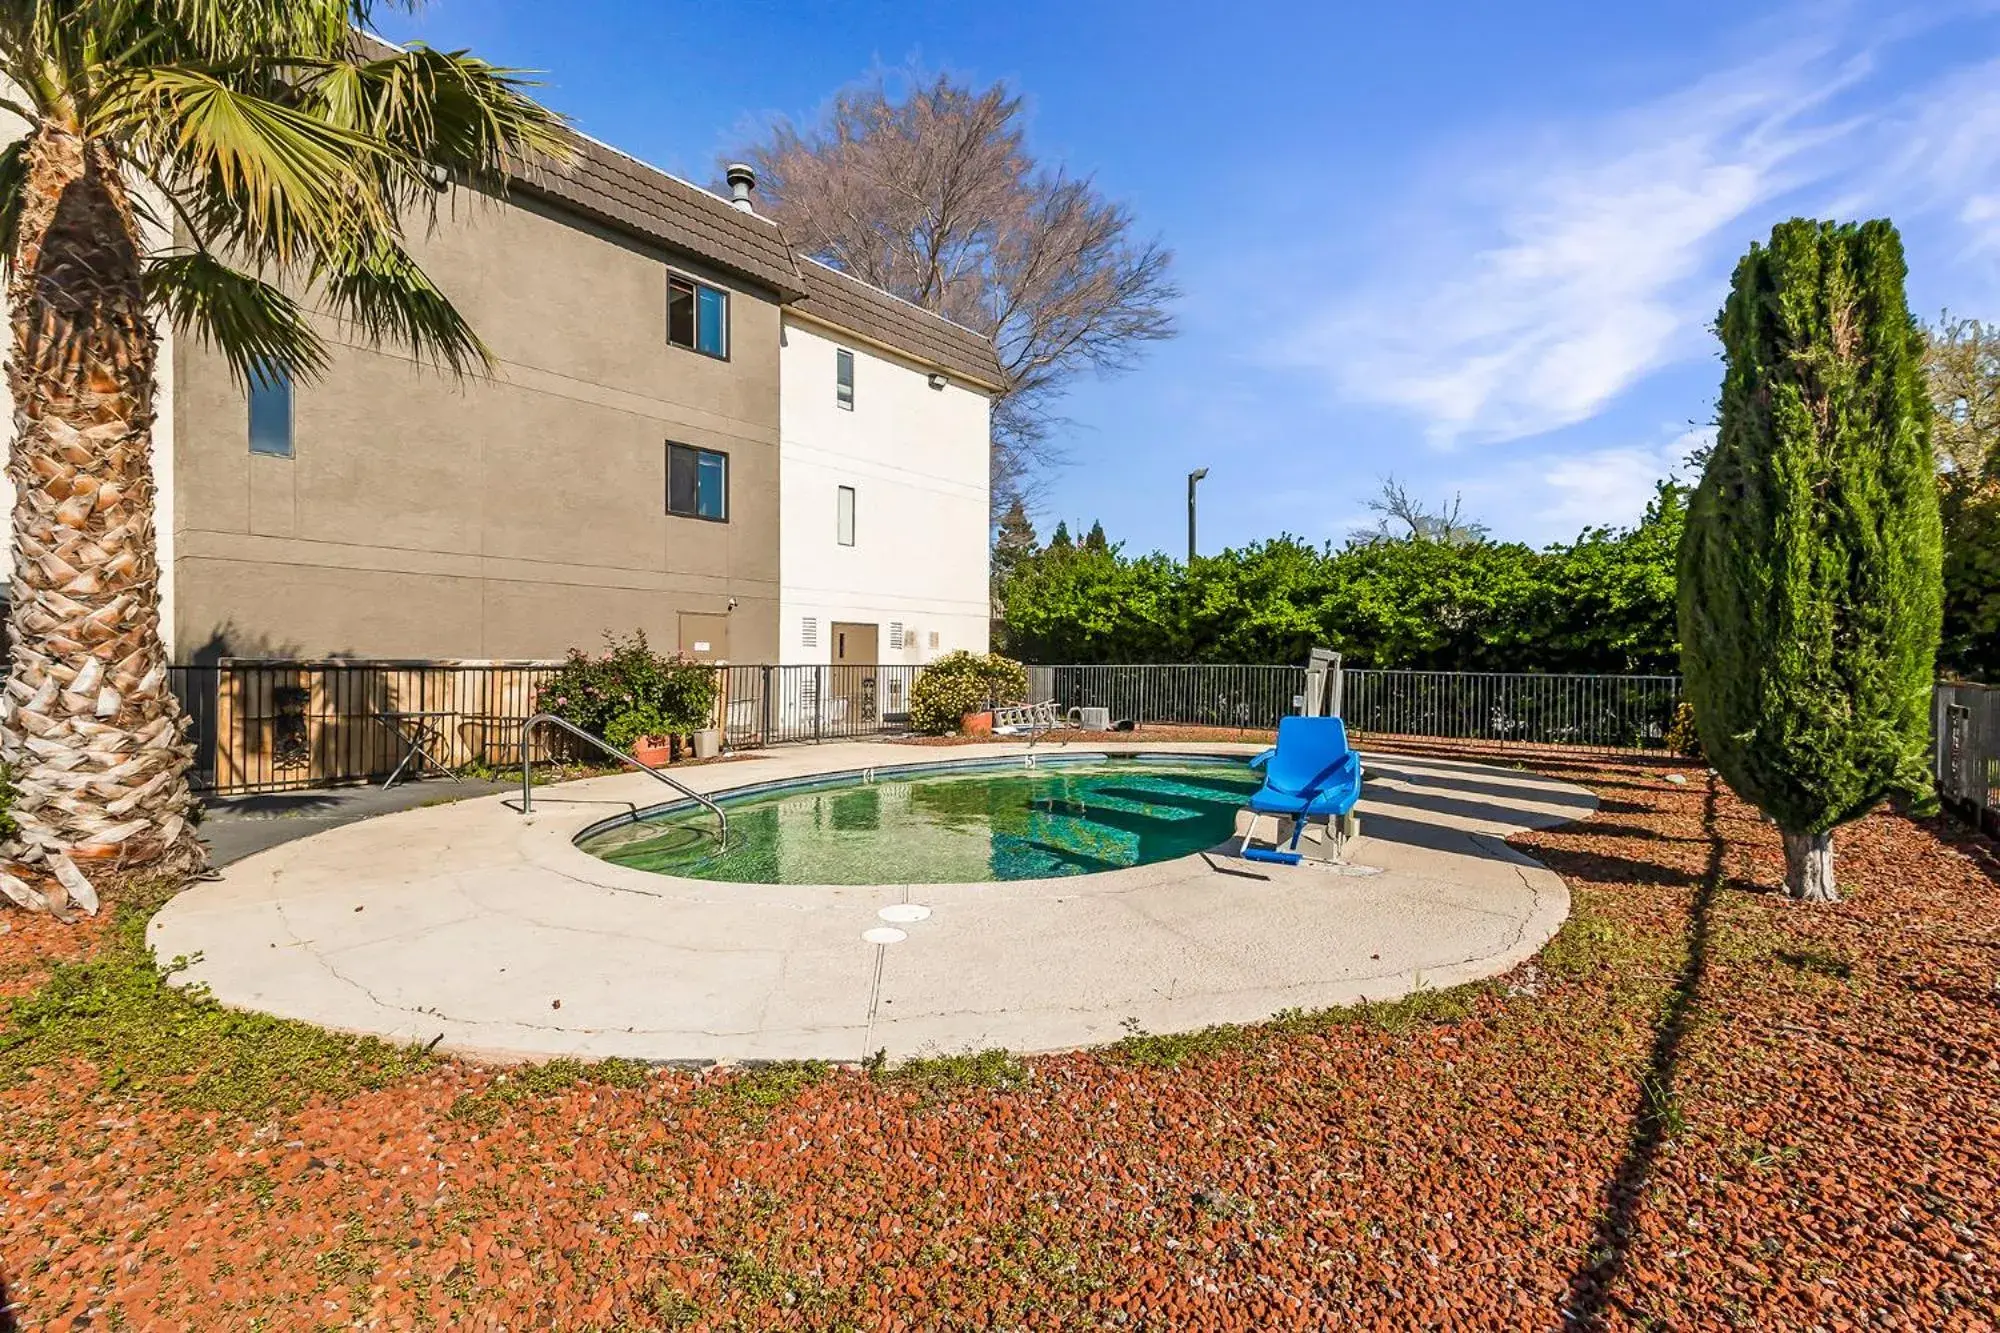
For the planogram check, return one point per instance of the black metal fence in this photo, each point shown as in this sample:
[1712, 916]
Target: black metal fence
[770, 705]
[270, 726]
[276, 726]
[1966, 755]
[1197, 695]
[1596, 712]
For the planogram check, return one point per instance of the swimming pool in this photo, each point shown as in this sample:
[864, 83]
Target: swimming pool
[945, 825]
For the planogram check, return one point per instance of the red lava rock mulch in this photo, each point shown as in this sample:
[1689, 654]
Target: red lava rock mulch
[1702, 1107]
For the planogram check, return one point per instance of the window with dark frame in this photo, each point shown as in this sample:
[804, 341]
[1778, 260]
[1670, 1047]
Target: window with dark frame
[697, 483]
[843, 378]
[270, 412]
[844, 524]
[697, 316]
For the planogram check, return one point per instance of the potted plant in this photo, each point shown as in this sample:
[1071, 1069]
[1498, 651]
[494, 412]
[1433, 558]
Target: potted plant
[637, 700]
[644, 733]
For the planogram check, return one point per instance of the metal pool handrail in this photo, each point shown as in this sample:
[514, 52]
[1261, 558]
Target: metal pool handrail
[527, 782]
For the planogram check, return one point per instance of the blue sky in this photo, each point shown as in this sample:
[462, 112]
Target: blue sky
[1478, 246]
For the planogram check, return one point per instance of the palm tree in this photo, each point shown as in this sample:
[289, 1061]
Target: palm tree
[288, 157]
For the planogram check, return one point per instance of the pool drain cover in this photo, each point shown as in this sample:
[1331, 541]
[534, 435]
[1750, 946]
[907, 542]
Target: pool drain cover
[884, 935]
[904, 912]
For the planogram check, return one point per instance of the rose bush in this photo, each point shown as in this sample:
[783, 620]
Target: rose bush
[629, 692]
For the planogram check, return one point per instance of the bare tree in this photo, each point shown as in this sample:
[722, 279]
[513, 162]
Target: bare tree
[1962, 372]
[926, 191]
[1401, 517]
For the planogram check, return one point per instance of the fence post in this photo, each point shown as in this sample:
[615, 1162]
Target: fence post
[764, 715]
[819, 702]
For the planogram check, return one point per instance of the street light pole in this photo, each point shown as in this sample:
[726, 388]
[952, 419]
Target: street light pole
[1193, 477]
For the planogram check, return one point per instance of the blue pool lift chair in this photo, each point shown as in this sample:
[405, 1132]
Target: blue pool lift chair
[1310, 773]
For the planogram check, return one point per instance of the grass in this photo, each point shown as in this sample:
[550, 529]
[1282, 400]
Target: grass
[1421, 1008]
[116, 1012]
[1817, 962]
[1589, 943]
[752, 1092]
[551, 1078]
[992, 1068]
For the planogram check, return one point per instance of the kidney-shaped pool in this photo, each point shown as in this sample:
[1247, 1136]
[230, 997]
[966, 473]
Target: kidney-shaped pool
[945, 824]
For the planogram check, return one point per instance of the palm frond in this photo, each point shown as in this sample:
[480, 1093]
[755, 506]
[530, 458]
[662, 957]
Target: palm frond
[442, 110]
[232, 29]
[252, 323]
[387, 297]
[293, 180]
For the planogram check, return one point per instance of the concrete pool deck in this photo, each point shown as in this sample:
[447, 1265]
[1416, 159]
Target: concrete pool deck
[496, 936]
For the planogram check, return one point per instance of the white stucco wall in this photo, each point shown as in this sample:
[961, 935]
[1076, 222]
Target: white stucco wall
[917, 460]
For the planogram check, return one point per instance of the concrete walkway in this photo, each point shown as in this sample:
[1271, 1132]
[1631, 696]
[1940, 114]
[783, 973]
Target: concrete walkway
[497, 936]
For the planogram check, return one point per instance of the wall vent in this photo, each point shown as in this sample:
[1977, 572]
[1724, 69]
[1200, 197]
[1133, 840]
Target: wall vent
[895, 636]
[809, 632]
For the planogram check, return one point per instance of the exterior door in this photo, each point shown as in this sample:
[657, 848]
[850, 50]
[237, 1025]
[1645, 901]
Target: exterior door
[853, 674]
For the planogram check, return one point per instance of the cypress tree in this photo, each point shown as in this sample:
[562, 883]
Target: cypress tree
[1809, 569]
[1014, 541]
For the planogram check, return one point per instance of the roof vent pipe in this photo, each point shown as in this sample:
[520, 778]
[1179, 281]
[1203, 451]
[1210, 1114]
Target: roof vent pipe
[741, 180]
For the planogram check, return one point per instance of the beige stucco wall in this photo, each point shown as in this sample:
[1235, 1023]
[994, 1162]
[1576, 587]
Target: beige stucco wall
[511, 517]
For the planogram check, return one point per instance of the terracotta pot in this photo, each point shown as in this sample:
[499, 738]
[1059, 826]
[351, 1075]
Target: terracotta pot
[654, 751]
[976, 724]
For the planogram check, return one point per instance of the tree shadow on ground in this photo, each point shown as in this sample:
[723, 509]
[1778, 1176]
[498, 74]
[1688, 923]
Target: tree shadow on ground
[1655, 1113]
[1457, 783]
[1553, 809]
[1613, 829]
[274, 803]
[9, 1321]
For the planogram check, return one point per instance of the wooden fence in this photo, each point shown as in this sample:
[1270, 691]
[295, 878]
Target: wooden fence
[273, 726]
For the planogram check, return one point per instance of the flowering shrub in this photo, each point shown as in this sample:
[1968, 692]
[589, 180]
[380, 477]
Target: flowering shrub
[629, 692]
[960, 683]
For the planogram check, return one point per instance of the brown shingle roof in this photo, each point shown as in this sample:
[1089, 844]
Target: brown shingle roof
[604, 183]
[624, 192]
[852, 304]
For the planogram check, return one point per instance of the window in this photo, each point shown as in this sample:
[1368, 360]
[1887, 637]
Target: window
[697, 316]
[697, 483]
[843, 378]
[271, 412]
[844, 520]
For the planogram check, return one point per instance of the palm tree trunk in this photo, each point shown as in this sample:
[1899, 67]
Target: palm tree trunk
[96, 738]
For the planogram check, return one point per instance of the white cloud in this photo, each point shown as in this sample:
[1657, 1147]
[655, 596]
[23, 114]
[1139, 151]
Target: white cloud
[1949, 153]
[1593, 260]
[1551, 497]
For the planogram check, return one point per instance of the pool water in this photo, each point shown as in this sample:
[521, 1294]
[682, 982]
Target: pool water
[948, 827]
